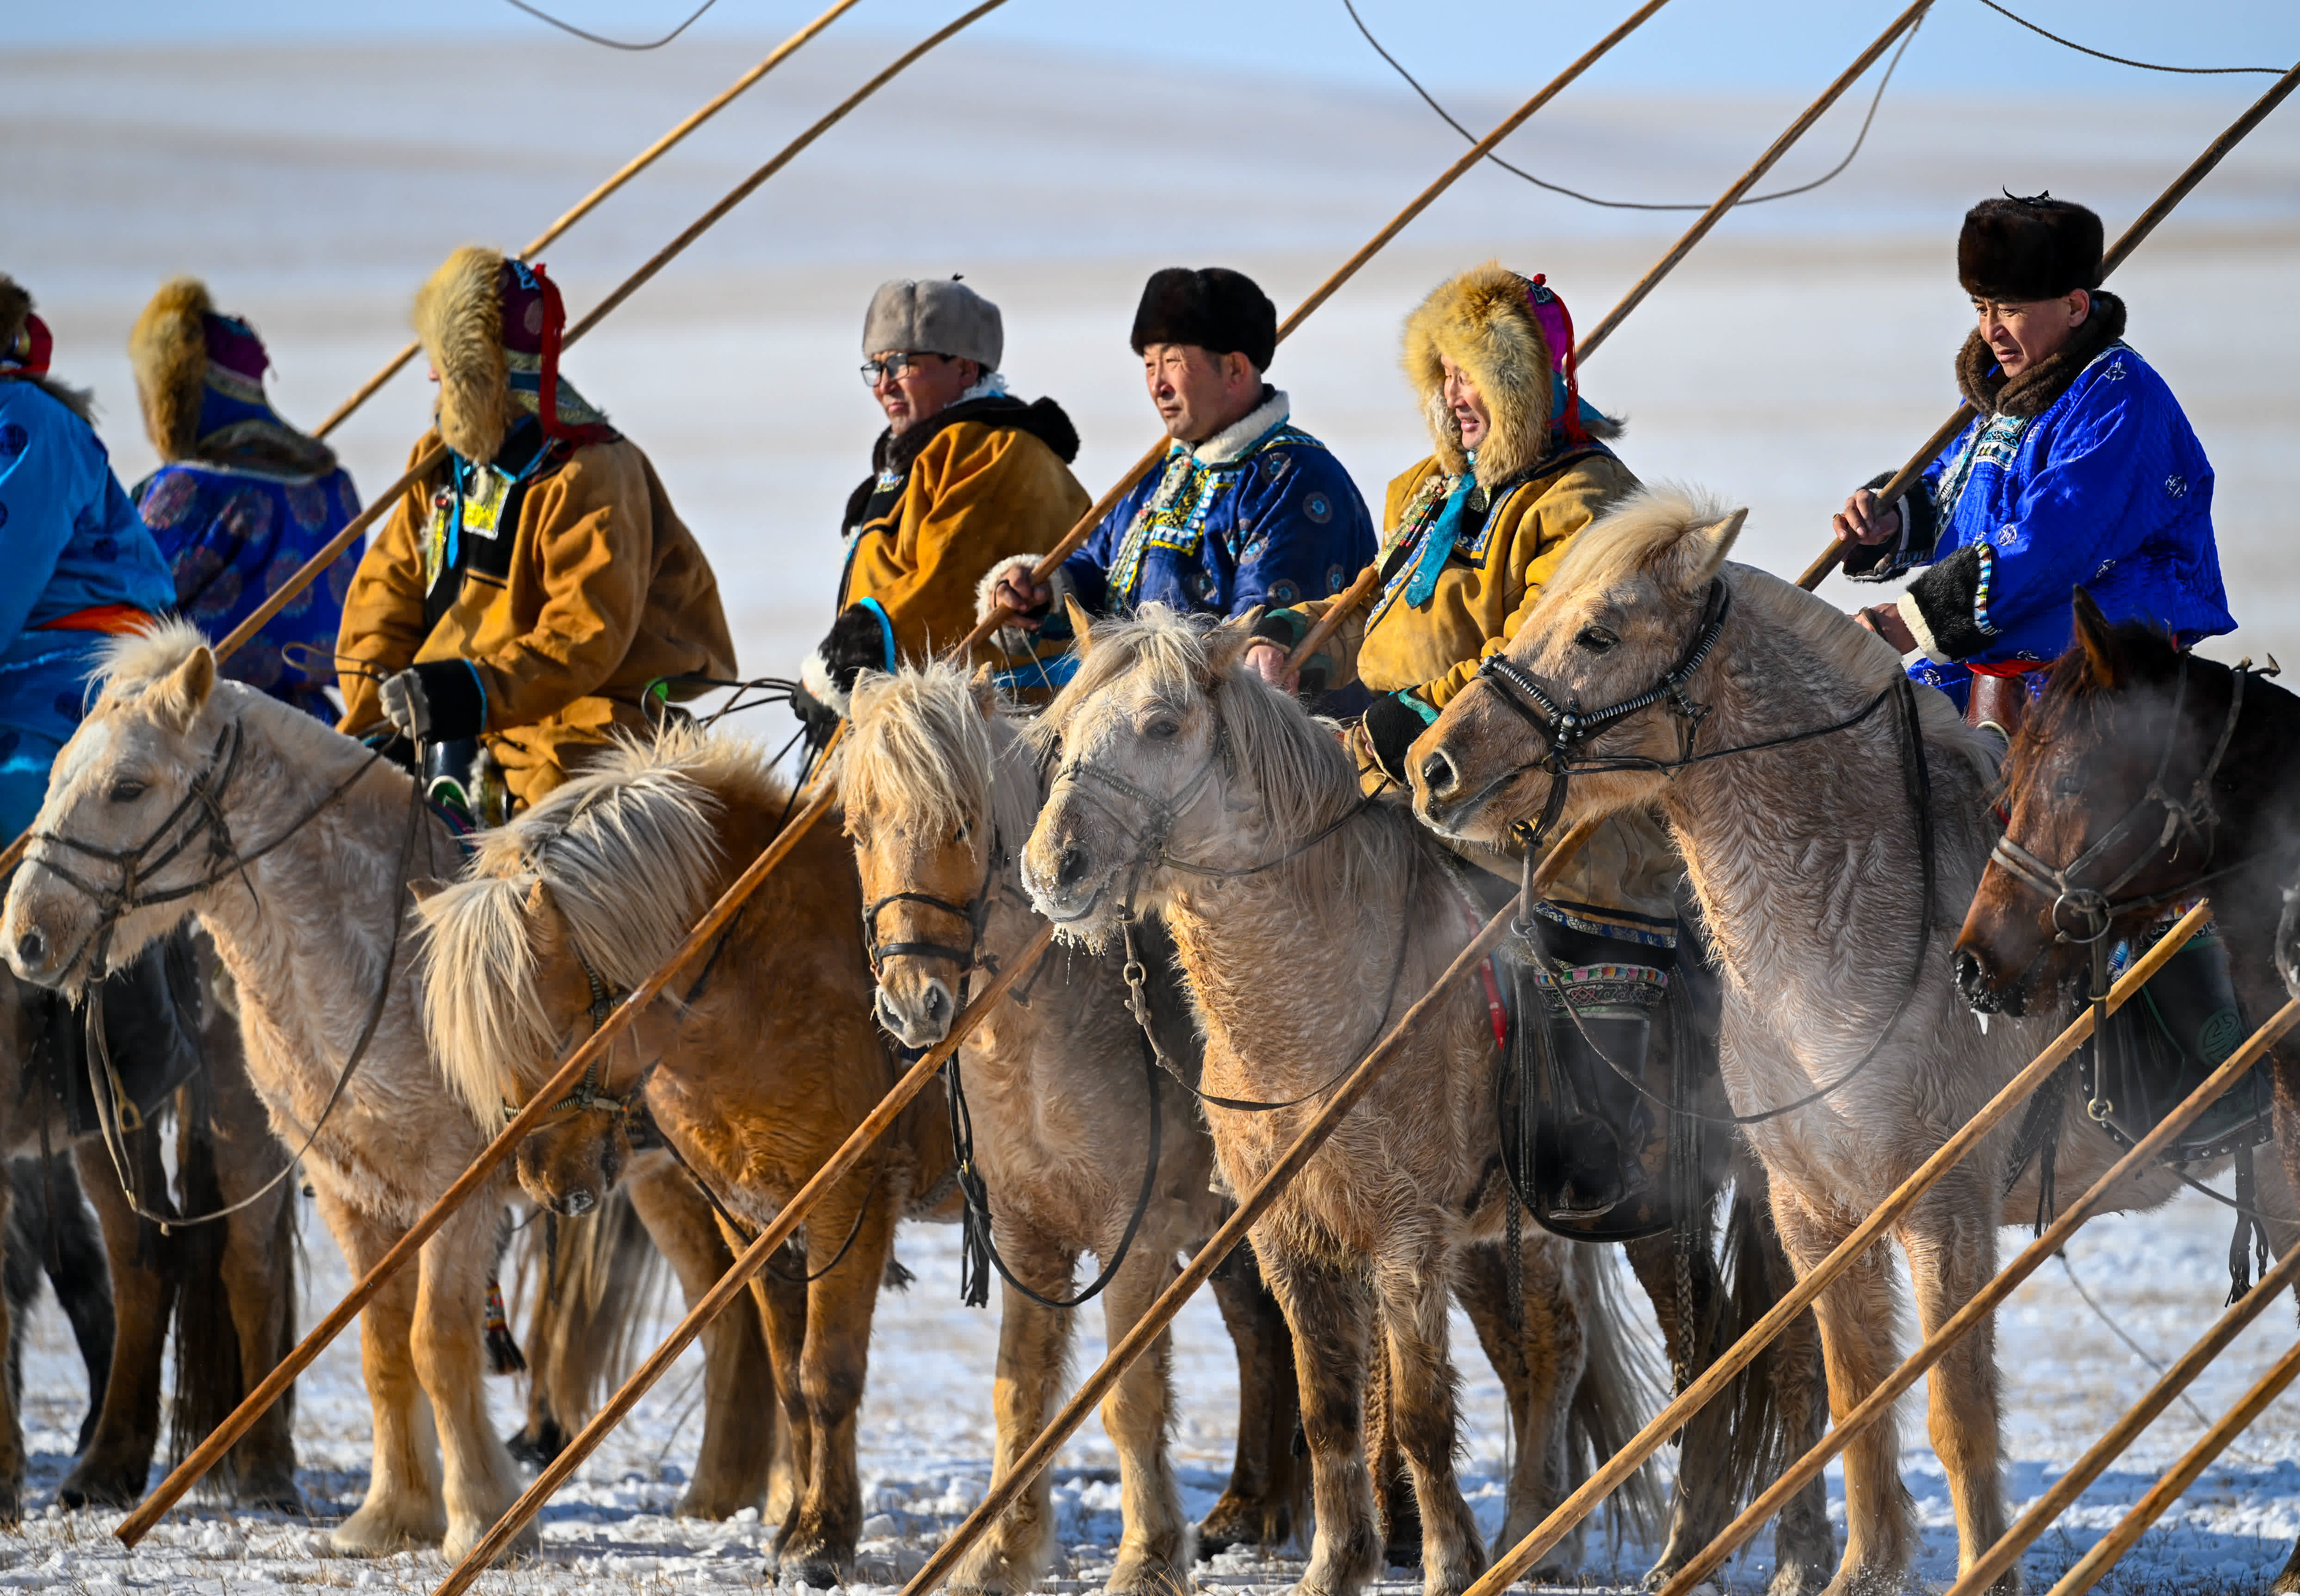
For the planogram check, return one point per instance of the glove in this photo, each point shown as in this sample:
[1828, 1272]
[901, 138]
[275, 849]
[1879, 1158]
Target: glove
[1392, 723]
[439, 701]
[819, 718]
[859, 640]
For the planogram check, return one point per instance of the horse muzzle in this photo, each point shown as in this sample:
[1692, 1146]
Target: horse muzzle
[1064, 882]
[918, 1013]
[1983, 991]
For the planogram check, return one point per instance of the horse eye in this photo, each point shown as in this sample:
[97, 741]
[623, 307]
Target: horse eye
[127, 791]
[1597, 639]
[1162, 729]
[2070, 785]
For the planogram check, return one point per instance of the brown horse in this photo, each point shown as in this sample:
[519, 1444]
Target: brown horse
[2141, 776]
[590, 1278]
[1065, 1105]
[1815, 795]
[181, 794]
[1307, 921]
[226, 1287]
[758, 1066]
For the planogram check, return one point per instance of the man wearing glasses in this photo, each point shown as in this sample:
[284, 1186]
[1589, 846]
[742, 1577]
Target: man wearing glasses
[962, 474]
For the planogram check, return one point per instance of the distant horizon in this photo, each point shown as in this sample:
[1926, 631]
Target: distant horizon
[1721, 46]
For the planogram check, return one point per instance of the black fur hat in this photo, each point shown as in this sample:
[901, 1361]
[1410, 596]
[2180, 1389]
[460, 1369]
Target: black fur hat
[2017, 250]
[1214, 308]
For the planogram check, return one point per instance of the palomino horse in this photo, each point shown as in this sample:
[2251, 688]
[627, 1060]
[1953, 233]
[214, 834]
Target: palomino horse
[2142, 776]
[180, 794]
[1066, 1107]
[1307, 921]
[227, 1288]
[592, 1277]
[759, 1066]
[1815, 797]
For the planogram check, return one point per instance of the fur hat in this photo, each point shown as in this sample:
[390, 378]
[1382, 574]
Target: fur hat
[180, 349]
[1213, 307]
[1506, 332]
[24, 341]
[937, 316]
[2019, 250]
[458, 318]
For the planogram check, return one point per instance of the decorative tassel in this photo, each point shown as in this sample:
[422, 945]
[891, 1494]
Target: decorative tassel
[504, 1355]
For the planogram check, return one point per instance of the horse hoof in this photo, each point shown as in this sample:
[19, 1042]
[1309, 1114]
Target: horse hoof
[100, 1487]
[816, 1573]
[1238, 1522]
[363, 1535]
[1148, 1576]
[275, 1499]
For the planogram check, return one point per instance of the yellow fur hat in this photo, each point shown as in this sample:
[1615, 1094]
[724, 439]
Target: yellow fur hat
[1485, 322]
[459, 320]
[167, 349]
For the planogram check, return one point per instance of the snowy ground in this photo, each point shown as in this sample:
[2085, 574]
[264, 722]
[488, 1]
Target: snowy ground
[1804, 347]
[926, 1441]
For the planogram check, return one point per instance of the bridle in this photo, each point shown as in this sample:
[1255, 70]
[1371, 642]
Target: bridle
[974, 915]
[1566, 729]
[590, 1095]
[2094, 908]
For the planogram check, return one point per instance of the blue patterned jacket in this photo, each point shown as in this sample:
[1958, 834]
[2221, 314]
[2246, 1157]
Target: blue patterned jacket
[2083, 470]
[1259, 514]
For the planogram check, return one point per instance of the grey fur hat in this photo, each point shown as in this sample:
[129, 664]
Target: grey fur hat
[938, 316]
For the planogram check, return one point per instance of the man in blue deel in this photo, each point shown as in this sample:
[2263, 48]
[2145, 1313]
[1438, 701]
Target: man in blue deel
[2081, 468]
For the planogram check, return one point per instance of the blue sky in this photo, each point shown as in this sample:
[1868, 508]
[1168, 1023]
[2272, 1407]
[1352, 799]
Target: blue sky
[1725, 45]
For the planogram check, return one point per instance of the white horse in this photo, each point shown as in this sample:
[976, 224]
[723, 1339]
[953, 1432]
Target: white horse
[1808, 858]
[181, 794]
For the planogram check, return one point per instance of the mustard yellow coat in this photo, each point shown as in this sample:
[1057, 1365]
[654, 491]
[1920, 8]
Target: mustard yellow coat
[976, 495]
[603, 591]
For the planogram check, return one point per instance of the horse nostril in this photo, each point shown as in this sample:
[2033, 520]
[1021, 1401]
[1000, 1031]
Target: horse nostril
[574, 1205]
[1438, 774]
[1970, 976]
[937, 1004]
[1071, 866]
[32, 948]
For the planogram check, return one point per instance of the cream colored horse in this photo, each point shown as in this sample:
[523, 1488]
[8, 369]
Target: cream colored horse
[1059, 1087]
[287, 840]
[1307, 924]
[1806, 859]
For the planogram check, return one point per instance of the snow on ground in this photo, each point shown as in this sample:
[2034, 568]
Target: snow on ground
[1805, 347]
[926, 1444]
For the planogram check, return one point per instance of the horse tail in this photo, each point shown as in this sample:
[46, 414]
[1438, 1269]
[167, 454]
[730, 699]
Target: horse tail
[593, 1278]
[1620, 1387]
[481, 1007]
[1756, 1272]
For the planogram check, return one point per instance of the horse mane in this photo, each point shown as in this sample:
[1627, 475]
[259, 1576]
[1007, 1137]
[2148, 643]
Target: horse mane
[1305, 779]
[2075, 696]
[918, 750]
[631, 852]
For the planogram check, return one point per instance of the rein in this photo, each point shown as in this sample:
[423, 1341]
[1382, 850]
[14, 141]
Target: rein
[113, 904]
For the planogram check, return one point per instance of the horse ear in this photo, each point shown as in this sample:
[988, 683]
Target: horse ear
[426, 887]
[1714, 542]
[2094, 637]
[185, 691]
[1227, 643]
[1079, 623]
[544, 924]
[984, 686]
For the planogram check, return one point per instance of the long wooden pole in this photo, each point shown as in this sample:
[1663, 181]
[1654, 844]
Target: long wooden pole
[1977, 1308]
[1251, 1207]
[715, 1301]
[431, 459]
[1358, 591]
[1828, 559]
[2182, 1474]
[2064, 1492]
[629, 168]
[1617, 1470]
[274, 1385]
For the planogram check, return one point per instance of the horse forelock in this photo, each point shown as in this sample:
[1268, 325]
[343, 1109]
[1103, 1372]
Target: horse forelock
[135, 659]
[918, 751]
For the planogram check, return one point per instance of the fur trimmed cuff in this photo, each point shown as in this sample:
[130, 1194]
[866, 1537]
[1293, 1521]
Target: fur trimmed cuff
[455, 705]
[1018, 642]
[1392, 724]
[1946, 608]
[985, 592]
[821, 682]
[1884, 562]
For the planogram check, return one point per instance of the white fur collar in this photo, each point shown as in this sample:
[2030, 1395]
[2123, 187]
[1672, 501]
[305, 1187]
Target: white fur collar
[993, 385]
[1235, 439]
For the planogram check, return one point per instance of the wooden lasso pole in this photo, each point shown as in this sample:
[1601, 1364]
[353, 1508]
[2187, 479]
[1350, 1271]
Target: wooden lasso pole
[731, 1285]
[537, 1108]
[1358, 591]
[2064, 1492]
[629, 168]
[1251, 1206]
[2176, 1480]
[429, 461]
[1979, 1306]
[1616, 1470]
[2198, 170]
